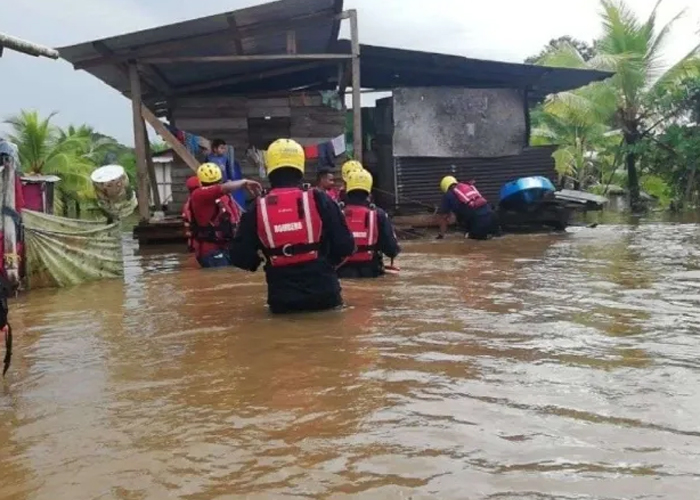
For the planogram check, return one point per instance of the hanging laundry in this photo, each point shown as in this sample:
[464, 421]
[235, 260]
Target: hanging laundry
[338, 145]
[192, 143]
[326, 158]
[311, 151]
[179, 134]
[331, 99]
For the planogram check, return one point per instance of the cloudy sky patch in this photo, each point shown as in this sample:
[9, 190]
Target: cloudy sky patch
[507, 30]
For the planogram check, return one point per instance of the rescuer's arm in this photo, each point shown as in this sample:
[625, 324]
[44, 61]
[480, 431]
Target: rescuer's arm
[230, 186]
[388, 244]
[443, 215]
[245, 245]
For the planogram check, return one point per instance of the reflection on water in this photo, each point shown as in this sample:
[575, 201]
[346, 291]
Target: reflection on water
[532, 367]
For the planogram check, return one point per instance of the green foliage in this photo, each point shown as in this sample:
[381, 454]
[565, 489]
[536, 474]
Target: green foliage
[585, 50]
[658, 188]
[45, 150]
[639, 101]
[71, 154]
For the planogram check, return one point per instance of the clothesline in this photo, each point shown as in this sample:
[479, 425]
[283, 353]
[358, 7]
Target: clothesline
[325, 151]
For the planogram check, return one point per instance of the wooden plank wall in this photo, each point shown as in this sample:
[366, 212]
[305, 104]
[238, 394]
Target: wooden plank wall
[243, 122]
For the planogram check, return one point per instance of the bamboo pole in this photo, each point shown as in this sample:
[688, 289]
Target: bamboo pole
[25, 47]
[139, 144]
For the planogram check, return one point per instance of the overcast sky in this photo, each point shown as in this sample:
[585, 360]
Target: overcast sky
[507, 30]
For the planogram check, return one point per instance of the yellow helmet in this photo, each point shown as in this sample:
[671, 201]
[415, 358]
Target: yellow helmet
[209, 173]
[447, 182]
[359, 179]
[285, 153]
[350, 166]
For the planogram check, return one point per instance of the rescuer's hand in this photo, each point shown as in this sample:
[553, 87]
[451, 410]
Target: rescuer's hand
[254, 187]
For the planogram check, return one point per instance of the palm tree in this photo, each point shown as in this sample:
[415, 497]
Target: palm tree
[633, 50]
[577, 123]
[44, 150]
[97, 146]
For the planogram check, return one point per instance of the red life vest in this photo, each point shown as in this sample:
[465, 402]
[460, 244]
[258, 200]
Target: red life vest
[363, 223]
[469, 195]
[223, 225]
[187, 222]
[289, 226]
[334, 194]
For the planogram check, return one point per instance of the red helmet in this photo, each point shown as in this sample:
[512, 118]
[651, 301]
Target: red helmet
[192, 183]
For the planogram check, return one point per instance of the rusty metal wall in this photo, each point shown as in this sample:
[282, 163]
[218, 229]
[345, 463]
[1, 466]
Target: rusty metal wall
[418, 179]
[458, 122]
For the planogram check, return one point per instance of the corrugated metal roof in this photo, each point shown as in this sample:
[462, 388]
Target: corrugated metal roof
[261, 29]
[385, 68]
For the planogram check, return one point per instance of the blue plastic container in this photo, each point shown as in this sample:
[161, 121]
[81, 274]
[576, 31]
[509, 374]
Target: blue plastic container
[525, 191]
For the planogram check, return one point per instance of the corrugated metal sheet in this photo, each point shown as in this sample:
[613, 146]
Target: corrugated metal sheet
[314, 22]
[418, 179]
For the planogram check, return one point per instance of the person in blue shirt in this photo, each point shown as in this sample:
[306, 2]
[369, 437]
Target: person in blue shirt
[230, 168]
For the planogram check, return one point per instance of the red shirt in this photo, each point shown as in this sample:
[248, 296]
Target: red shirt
[203, 204]
[334, 193]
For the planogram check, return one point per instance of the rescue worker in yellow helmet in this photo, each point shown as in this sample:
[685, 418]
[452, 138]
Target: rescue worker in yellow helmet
[347, 168]
[300, 231]
[213, 215]
[473, 212]
[373, 233]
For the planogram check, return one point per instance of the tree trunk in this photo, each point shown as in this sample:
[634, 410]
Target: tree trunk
[77, 209]
[66, 205]
[690, 188]
[632, 175]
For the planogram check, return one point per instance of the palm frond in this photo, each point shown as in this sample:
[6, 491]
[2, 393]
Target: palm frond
[658, 40]
[565, 56]
[686, 67]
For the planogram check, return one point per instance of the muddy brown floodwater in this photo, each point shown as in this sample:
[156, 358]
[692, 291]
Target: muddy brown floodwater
[532, 367]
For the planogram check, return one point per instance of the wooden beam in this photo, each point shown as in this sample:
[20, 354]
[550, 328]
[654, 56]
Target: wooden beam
[139, 144]
[154, 76]
[291, 42]
[248, 77]
[123, 68]
[248, 58]
[235, 34]
[206, 40]
[151, 169]
[345, 77]
[356, 88]
[169, 138]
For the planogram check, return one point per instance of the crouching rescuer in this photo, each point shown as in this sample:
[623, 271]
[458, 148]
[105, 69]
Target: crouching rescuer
[473, 212]
[214, 216]
[301, 233]
[371, 229]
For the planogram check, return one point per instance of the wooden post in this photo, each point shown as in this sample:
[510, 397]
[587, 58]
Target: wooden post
[139, 144]
[356, 88]
[151, 169]
[170, 138]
